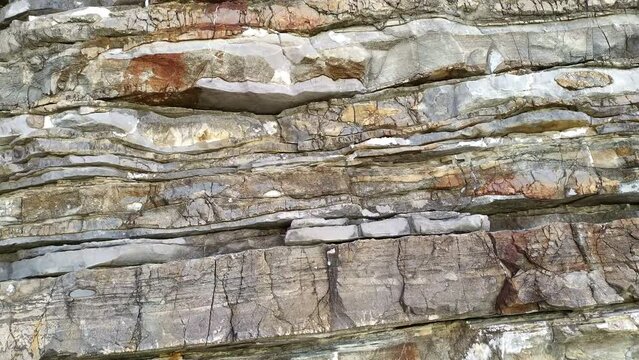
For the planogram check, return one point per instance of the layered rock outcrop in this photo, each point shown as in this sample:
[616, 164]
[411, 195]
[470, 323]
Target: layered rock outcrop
[319, 179]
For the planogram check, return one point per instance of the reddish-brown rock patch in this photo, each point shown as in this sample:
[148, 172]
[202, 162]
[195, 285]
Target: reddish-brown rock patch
[155, 73]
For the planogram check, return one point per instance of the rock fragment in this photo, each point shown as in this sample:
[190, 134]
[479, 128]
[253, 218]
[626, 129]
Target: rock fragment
[311, 235]
[424, 225]
[385, 228]
[315, 222]
[584, 79]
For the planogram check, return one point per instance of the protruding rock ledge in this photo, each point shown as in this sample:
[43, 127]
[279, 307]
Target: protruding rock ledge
[56, 260]
[425, 223]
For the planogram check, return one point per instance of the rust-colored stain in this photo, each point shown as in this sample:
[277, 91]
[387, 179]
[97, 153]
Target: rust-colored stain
[405, 351]
[156, 73]
[232, 15]
[216, 5]
[624, 151]
[450, 181]
[508, 254]
[508, 302]
[161, 79]
[220, 31]
[339, 69]
[511, 184]
[504, 184]
[288, 17]
[458, 70]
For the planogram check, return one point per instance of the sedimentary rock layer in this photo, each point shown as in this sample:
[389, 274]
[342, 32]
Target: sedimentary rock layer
[591, 335]
[265, 72]
[319, 179]
[284, 291]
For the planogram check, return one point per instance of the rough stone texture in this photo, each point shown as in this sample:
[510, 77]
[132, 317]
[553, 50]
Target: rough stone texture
[467, 223]
[579, 80]
[265, 72]
[256, 293]
[592, 336]
[304, 179]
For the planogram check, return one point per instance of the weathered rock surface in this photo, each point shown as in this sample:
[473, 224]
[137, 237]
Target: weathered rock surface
[593, 335]
[319, 179]
[266, 72]
[256, 293]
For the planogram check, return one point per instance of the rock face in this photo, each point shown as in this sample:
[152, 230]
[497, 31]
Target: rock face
[319, 179]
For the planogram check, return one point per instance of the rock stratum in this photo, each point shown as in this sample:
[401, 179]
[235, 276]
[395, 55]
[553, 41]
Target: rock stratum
[304, 179]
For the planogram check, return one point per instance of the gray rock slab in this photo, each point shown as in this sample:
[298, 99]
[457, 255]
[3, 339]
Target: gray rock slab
[424, 225]
[313, 222]
[261, 98]
[120, 255]
[436, 215]
[313, 235]
[385, 228]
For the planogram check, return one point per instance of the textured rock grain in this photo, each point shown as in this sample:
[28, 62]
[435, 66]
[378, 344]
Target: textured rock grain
[319, 179]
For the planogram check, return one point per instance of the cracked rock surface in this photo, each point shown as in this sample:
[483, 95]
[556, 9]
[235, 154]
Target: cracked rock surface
[308, 179]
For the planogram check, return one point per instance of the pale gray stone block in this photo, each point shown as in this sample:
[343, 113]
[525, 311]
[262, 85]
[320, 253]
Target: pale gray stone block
[463, 224]
[313, 235]
[386, 228]
[311, 222]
